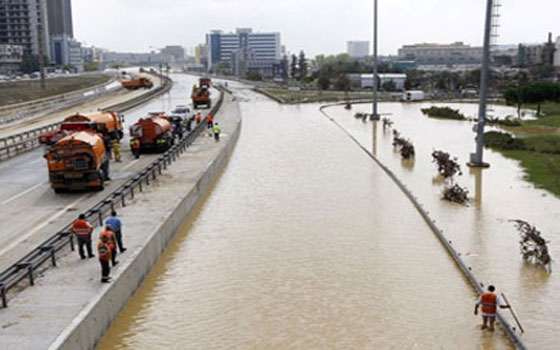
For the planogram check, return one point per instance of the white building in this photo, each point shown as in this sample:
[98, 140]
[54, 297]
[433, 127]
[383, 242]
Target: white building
[398, 81]
[266, 48]
[10, 58]
[437, 54]
[67, 51]
[357, 49]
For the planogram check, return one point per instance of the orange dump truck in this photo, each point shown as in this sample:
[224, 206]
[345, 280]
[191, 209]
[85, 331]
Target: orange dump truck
[204, 81]
[201, 97]
[137, 84]
[109, 124]
[78, 161]
[154, 133]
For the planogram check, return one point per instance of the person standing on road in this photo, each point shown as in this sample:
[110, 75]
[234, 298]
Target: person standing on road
[490, 303]
[198, 118]
[83, 230]
[117, 150]
[104, 251]
[135, 147]
[216, 129]
[111, 241]
[116, 225]
[209, 120]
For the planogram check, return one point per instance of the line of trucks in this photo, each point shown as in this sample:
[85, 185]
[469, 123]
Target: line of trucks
[78, 153]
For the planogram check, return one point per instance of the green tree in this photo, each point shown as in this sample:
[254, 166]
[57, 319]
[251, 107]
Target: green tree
[293, 67]
[302, 65]
[342, 82]
[323, 82]
[30, 63]
[255, 76]
[284, 67]
[91, 66]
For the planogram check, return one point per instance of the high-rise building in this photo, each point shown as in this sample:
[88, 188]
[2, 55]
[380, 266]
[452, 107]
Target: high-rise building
[557, 54]
[357, 49]
[265, 49]
[60, 17]
[24, 23]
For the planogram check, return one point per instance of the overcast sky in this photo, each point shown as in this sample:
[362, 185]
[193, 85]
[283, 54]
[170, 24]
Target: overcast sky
[316, 26]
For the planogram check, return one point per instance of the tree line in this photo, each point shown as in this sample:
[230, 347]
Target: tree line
[535, 93]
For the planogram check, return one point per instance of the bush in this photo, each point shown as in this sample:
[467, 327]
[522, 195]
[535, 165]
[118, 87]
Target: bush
[443, 113]
[254, 76]
[501, 140]
[544, 144]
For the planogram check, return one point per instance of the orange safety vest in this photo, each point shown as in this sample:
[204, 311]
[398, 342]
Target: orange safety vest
[209, 118]
[489, 301]
[198, 117]
[104, 251]
[82, 228]
[111, 241]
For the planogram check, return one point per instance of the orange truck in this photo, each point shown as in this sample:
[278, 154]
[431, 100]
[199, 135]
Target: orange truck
[108, 124]
[204, 81]
[78, 161]
[137, 84]
[201, 97]
[153, 133]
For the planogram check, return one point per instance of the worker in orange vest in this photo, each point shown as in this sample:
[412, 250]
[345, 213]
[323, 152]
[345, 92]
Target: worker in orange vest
[490, 303]
[82, 229]
[105, 256]
[135, 147]
[198, 118]
[209, 121]
[112, 241]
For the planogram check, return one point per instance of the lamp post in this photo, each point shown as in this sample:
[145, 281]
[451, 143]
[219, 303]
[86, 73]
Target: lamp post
[374, 114]
[476, 158]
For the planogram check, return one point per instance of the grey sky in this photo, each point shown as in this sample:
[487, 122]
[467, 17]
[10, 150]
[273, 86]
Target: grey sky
[312, 25]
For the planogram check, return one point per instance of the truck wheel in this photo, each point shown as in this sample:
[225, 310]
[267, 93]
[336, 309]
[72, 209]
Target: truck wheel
[58, 190]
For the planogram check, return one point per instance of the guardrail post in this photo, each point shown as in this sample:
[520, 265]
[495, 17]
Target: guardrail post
[51, 250]
[154, 173]
[29, 271]
[4, 299]
[71, 242]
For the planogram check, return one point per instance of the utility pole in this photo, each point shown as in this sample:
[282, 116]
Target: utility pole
[41, 57]
[476, 158]
[374, 114]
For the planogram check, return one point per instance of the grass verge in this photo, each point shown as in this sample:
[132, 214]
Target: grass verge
[543, 170]
[24, 91]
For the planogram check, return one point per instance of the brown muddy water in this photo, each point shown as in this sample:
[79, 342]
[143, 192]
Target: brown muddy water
[304, 243]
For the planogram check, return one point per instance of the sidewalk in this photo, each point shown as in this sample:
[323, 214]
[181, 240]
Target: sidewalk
[68, 308]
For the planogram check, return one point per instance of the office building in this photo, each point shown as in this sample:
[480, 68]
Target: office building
[10, 58]
[22, 22]
[437, 54]
[67, 51]
[60, 17]
[265, 49]
[357, 49]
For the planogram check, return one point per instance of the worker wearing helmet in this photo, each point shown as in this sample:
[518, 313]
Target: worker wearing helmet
[105, 256]
[216, 129]
[82, 229]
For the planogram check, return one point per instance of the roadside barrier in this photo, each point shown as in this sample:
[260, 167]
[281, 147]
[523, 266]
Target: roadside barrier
[448, 244]
[27, 266]
[13, 145]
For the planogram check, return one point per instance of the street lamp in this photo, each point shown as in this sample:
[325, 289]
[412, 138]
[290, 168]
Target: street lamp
[476, 158]
[374, 114]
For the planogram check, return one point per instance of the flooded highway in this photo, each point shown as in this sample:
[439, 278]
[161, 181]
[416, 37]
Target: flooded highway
[482, 231]
[303, 243]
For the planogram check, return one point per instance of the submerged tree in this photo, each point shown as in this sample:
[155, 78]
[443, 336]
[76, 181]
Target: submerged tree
[405, 147]
[447, 166]
[533, 246]
[456, 194]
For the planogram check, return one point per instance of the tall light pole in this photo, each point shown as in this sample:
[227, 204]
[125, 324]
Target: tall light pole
[476, 158]
[374, 114]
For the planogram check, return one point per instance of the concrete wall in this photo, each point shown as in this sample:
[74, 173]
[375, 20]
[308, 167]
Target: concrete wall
[93, 321]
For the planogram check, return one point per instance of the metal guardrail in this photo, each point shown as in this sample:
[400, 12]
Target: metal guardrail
[46, 251]
[29, 140]
[448, 244]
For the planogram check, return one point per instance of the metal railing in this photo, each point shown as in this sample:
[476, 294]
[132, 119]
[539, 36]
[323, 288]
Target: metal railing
[13, 145]
[46, 251]
[447, 243]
